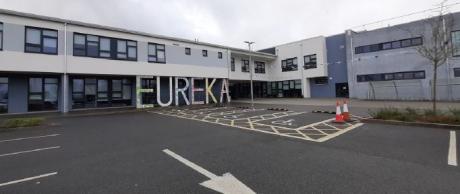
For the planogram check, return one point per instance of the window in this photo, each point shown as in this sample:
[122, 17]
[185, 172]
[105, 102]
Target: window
[310, 61]
[245, 66]
[1, 36]
[3, 94]
[456, 43]
[188, 51]
[409, 75]
[232, 64]
[39, 40]
[43, 94]
[219, 55]
[321, 80]
[104, 47]
[156, 53]
[205, 53]
[456, 72]
[289, 65]
[389, 45]
[259, 67]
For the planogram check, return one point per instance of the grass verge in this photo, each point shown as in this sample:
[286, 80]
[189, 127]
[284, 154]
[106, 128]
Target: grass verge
[10, 124]
[418, 115]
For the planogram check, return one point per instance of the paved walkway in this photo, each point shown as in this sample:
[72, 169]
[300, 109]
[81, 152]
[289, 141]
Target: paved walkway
[353, 102]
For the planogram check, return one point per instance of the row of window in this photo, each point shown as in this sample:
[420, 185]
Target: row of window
[408, 75]
[41, 40]
[259, 67]
[389, 45]
[310, 62]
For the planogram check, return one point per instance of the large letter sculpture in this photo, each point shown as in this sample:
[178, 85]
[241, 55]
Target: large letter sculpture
[159, 92]
[181, 90]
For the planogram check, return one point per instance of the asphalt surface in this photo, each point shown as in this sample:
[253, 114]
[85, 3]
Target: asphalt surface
[122, 153]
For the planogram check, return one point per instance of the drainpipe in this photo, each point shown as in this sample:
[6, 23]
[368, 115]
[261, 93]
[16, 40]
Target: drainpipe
[65, 79]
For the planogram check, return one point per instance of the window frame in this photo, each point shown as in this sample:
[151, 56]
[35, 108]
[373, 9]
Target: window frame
[244, 65]
[259, 67]
[204, 53]
[232, 64]
[456, 72]
[1, 35]
[42, 38]
[289, 65]
[220, 55]
[188, 51]
[454, 54]
[156, 53]
[310, 64]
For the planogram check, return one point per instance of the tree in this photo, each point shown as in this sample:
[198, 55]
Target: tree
[437, 47]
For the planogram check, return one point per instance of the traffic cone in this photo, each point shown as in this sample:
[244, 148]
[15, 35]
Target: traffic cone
[346, 113]
[338, 114]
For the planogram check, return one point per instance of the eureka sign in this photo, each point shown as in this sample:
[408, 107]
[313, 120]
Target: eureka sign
[181, 92]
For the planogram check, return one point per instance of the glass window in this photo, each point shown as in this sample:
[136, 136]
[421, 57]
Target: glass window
[33, 36]
[3, 94]
[419, 75]
[77, 85]
[457, 72]
[232, 64]
[126, 92]
[132, 52]
[389, 76]
[219, 55]
[396, 44]
[406, 43]
[90, 86]
[245, 66]
[116, 85]
[102, 85]
[51, 94]
[35, 85]
[188, 51]
[205, 53]
[41, 40]
[104, 47]
[121, 49]
[79, 45]
[310, 61]
[456, 43]
[416, 41]
[386, 46]
[156, 53]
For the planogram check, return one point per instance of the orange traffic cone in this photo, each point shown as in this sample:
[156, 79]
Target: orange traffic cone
[338, 114]
[346, 113]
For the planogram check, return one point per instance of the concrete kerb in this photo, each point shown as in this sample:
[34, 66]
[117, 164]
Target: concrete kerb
[416, 124]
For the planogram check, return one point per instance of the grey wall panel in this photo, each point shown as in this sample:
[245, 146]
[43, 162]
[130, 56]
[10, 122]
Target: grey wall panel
[13, 37]
[17, 94]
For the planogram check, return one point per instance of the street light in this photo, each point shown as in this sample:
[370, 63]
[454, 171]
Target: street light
[250, 72]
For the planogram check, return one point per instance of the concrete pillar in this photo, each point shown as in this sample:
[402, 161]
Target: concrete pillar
[306, 88]
[65, 94]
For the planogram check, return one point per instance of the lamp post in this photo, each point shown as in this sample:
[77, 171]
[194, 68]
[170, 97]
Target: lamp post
[250, 72]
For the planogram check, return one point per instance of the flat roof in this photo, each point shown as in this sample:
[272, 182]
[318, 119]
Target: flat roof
[97, 26]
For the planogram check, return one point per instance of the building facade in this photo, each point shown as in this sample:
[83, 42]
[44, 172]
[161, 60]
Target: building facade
[385, 64]
[52, 64]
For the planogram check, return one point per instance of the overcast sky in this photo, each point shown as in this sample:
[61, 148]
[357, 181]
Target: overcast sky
[230, 22]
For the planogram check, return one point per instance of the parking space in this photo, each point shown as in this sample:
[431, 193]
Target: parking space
[27, 150]
[299, 125]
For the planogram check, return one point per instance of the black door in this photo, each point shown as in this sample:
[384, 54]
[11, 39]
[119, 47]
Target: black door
[341, 90]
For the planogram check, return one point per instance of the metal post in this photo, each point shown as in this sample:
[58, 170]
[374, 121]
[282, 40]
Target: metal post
[250, 73]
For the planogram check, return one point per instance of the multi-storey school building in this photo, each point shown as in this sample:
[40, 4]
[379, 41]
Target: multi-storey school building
[52, 64]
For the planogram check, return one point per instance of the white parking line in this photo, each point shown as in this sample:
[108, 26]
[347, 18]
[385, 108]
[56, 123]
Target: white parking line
[452, 157]
[28, 151]
[28, 179]
[24, 138]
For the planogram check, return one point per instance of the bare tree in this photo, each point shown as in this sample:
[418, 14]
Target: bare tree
[437, 47]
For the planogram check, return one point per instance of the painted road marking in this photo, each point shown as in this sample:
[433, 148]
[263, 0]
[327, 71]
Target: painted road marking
[452, 156]
[276, 123]
[226, 183]
[28, 179]
[29, 151]
[25, 138]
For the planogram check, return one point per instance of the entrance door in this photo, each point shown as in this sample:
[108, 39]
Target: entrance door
[341, 90]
